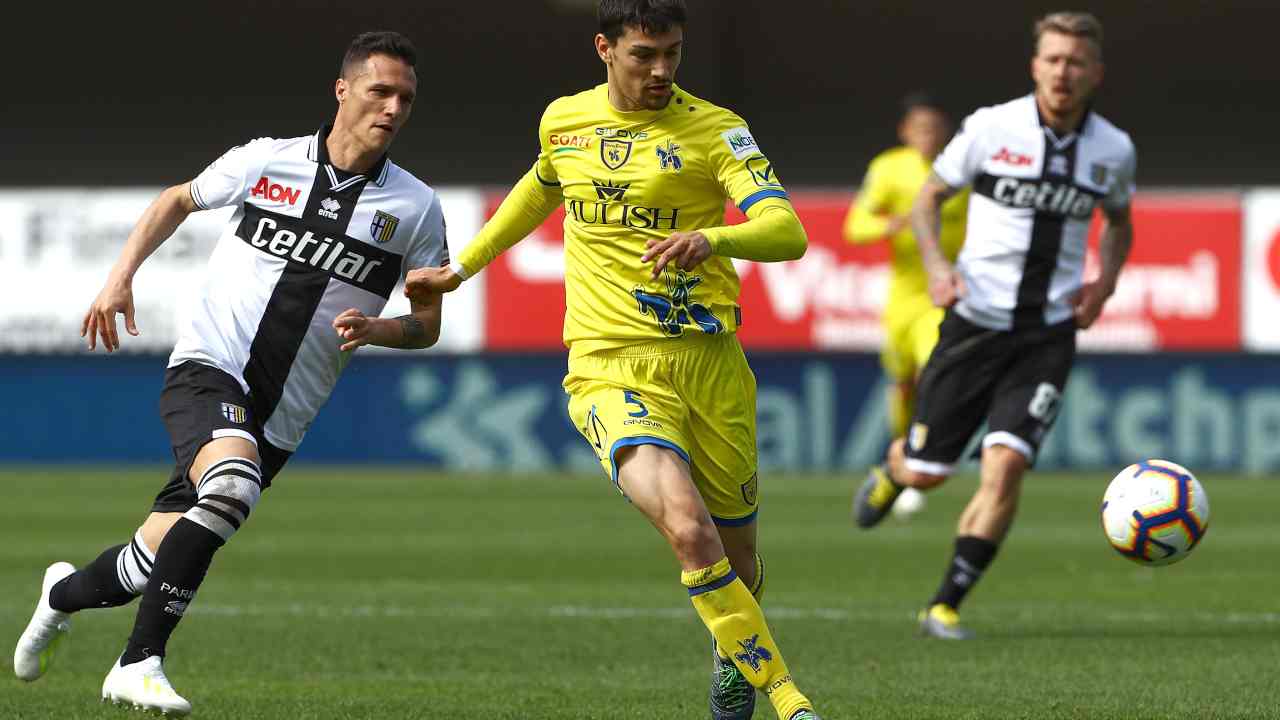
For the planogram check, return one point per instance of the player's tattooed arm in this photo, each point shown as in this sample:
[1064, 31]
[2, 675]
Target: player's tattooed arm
[413, 331]
[419, 329]
[1113, 246]
[945, 285]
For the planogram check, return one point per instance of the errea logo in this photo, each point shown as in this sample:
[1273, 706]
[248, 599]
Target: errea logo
[740, 142]
[329, 208]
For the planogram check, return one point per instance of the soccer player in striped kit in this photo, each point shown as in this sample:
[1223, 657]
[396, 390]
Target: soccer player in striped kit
[325, 226]
[1039, 166]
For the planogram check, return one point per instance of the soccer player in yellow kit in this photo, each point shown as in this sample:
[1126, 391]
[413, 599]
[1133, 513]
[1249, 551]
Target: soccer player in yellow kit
[657, 381]
[882, 211]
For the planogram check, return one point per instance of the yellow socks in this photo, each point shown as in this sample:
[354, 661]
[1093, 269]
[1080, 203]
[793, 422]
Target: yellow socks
[734, 618]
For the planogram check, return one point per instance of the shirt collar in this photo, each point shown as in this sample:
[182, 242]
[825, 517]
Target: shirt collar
[1079, 128]
[319, 153]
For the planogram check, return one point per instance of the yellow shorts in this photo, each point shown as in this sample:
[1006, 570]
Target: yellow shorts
[695, 395]
[909, 338]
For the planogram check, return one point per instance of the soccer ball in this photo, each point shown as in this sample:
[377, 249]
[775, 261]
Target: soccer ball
[910, 501]
[1154, 512]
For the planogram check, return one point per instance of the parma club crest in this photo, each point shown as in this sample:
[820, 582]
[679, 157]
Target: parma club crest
[234, 413]
[615, 153]
[383, 226]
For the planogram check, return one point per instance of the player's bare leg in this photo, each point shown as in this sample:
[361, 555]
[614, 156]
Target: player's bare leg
[659, 484]
[982, 526]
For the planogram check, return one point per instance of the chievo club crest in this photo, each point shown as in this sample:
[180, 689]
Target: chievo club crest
[615, 153]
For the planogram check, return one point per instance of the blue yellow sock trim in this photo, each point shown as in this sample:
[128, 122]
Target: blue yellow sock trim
[713, 585]
[643, 440]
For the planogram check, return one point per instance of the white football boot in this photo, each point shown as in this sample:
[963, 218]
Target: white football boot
[143, 686]
[39, 642]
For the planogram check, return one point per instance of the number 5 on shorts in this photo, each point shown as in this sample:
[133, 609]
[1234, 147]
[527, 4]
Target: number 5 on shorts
[631, 397]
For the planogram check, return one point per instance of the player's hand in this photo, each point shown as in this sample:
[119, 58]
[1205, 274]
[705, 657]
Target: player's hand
[421, 284]
[946, 287]
[100, 321]
[355, 328]
[1088, 302]
[686, 249]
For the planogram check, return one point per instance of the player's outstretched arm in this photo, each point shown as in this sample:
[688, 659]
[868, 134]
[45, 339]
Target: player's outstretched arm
[945, 285]
[1113, 246]
[157, 223]
[521, 212]
[419, 329]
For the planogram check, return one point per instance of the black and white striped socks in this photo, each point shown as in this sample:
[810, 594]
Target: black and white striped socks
[113, 579]
[226, 494]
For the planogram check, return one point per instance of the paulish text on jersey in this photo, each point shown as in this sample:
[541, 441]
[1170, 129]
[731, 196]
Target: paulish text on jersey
[624, 215]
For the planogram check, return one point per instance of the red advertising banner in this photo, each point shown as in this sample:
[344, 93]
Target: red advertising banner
[1180, 288]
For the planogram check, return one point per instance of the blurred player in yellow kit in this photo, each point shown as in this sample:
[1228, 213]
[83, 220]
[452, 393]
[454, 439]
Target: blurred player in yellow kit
[881, 212]
[657, 381]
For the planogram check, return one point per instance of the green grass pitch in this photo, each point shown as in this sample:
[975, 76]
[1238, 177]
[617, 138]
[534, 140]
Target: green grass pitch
[388, 593]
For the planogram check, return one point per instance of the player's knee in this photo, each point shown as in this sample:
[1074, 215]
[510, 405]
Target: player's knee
[218, 449]
[692, 538]
[227, 492]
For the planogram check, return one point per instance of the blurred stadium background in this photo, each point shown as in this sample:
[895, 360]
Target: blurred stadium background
[1181, 364]
[124, 100]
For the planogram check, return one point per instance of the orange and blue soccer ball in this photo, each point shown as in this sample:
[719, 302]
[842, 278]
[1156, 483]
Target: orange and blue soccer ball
[1155, 512]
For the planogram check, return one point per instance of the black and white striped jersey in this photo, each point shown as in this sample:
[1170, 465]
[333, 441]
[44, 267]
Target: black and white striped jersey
[306, 242]
[1034, 194]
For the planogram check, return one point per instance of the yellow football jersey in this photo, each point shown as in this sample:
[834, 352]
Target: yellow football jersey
[893, 180]
[629, 177]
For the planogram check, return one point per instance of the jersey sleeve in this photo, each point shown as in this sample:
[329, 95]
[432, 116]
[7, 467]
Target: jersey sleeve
[1122, 190]
[740, 167]
[543, 169]
[961, 160]
[431, 247]
[877, 186]
[865, 221]
[228, 178]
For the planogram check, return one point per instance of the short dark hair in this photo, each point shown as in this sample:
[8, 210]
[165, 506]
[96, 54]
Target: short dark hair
[921, 99]
[650, 16]
[380, 42]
